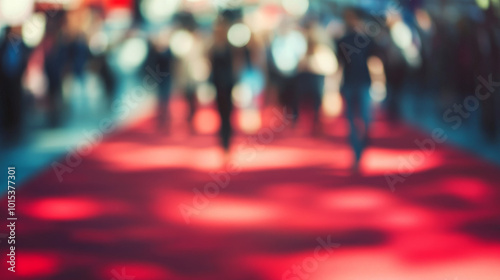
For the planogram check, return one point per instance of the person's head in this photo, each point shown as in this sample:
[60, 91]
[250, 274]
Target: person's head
[220, 31]
[185, 20]
[351, 18]
[13, 30]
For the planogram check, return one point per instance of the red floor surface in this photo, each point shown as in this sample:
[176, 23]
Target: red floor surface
[117, 215]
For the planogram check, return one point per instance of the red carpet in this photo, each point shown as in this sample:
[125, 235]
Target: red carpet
[117, 215]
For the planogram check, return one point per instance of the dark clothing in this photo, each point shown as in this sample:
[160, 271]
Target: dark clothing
[305, 88]
[225, 107]
[79, 53]
[105, 71]
[396, 73]
[54, 66]
[190, 94]
[353, 52]
[223, 79]
[163, 61]
[357, 100]
[222, 68]
[13, 59]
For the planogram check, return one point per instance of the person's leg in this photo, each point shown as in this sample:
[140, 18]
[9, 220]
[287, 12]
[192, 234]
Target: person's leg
[162, 110]
[390, 102]
[288, 97]
[366, 112]
[108, 79]
[296, 94]
[17, 108]
[190, 95]
[163, 103]
[350, 102]
[225, 129]
[314, 94]
[319, 86]
[488, 118]
[224, 107]
[12, 118]
[55, 105]
[3, 109]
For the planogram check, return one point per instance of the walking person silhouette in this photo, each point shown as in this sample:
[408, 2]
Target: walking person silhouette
[222, 77]
[354, 48]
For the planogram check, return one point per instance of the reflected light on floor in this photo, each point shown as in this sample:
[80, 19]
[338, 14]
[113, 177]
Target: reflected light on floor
[237, 212]
[281, 158]
[249, 121]
[387, 161]
[206, 121]
[37, 265]
[161, 157]
[63, 209]
[467, 188]
[135, 271]
[379, 130]
[332, 104]
[359, 198]
[406, 217]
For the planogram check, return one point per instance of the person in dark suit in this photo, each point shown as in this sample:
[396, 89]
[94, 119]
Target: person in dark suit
[162, 58]
[354, 48]
[55, 47]
[222, 77]
[13, 61]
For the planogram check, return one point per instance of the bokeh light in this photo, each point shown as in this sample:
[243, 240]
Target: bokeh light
[34, 29]
[98, 43]
[483, 4]
[296, 7]
[158, 11]
[242, 95]
[401, 34]
[132, 53]
[287, 50]
[16, 12]
[250, 120]
[378, 92]
[181, 42]
[239, 35]
[324, 60]
[205, 93]
[332, 104]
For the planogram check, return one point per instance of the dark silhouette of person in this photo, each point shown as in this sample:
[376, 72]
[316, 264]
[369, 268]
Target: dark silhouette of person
[395, 69]
[222, 77]
[309, 81]
[489, 109]
[186, 21]
[13, 61]
[104, 70]
[161, 58]
[56, 50]
[354, 48]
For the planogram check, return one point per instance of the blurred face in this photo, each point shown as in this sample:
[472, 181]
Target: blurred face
[351, 19]
[16, 29]
[220, 32]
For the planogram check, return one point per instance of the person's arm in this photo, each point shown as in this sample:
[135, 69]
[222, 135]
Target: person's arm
[340, 55]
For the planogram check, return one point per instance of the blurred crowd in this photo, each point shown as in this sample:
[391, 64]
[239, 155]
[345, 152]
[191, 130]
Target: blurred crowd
[320, 56]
